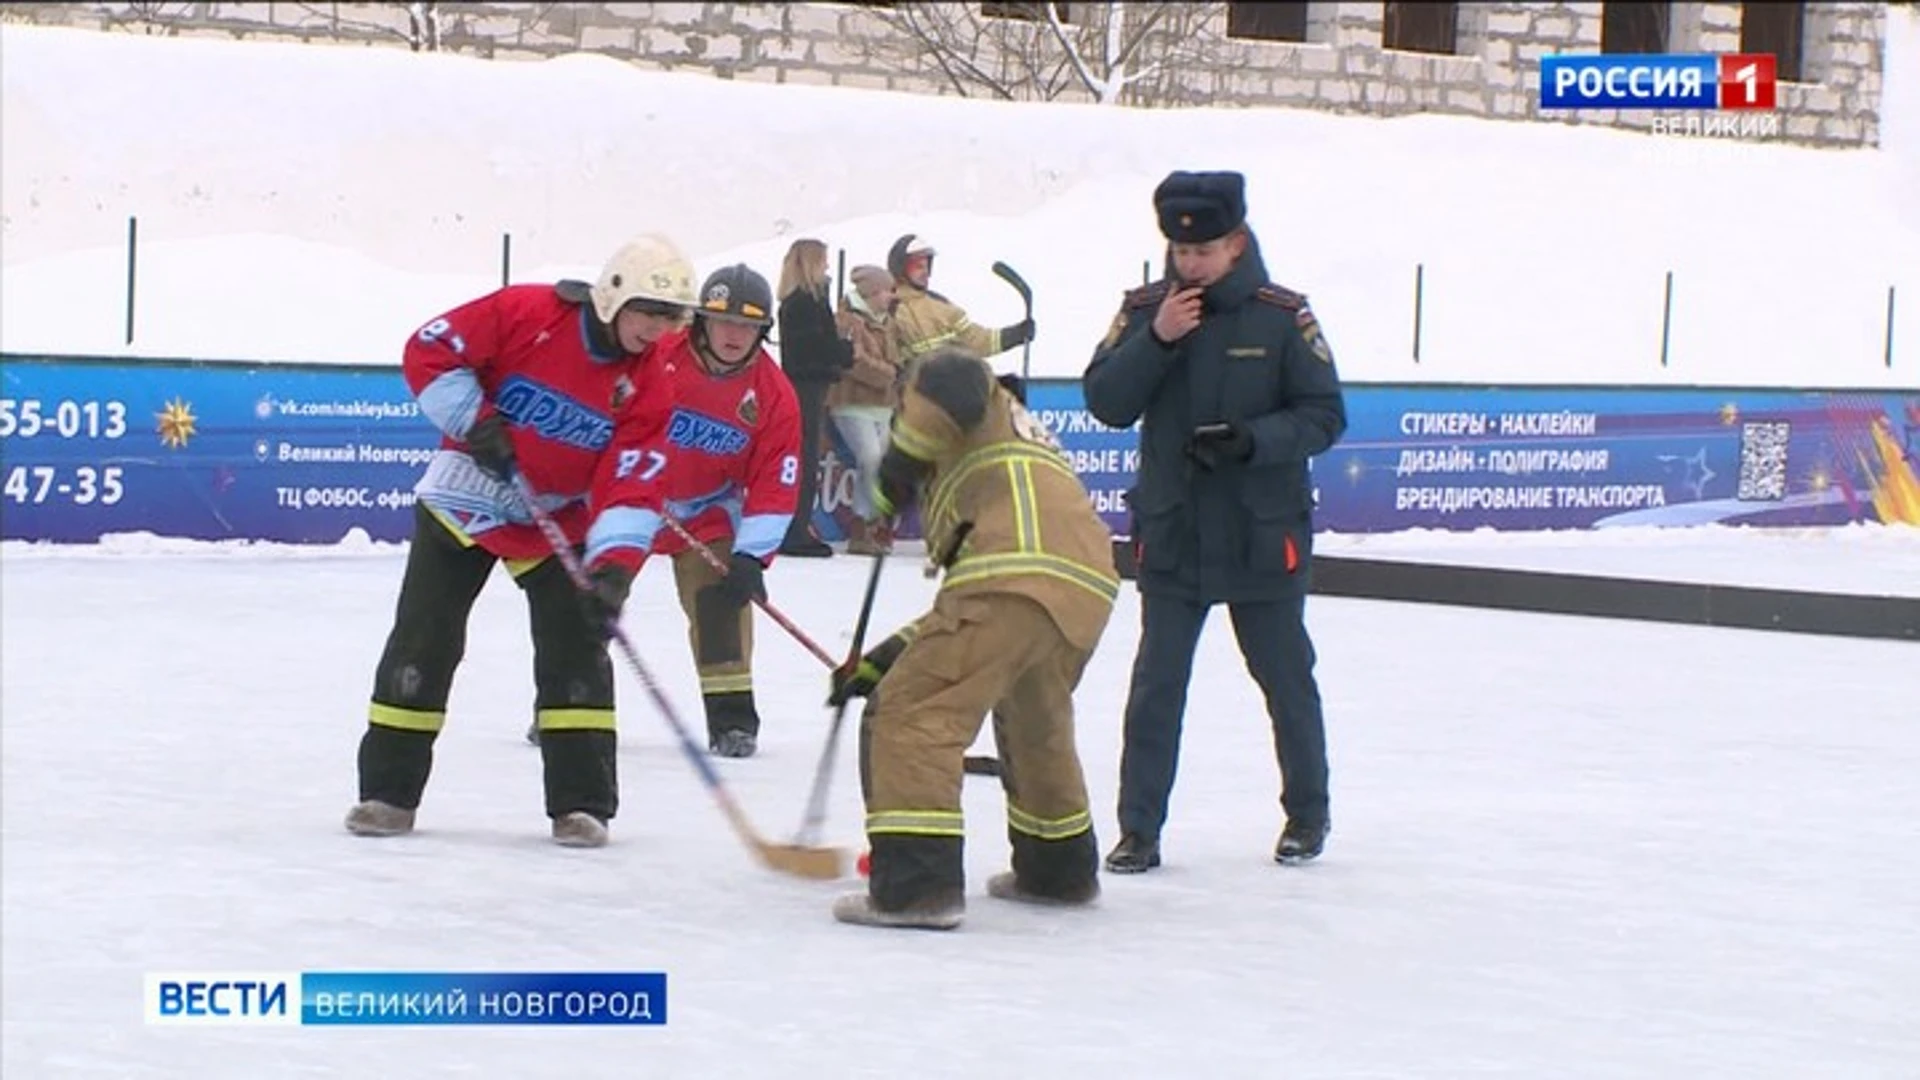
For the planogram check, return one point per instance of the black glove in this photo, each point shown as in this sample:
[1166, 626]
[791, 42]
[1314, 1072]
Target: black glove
[1018, 334]
[745, 580]
[603, 602]
[491, 446]
[1213, 445]
[846, 683]
[1014, 385]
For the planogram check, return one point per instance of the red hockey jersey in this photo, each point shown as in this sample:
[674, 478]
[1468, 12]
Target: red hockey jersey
[733, 450]
[586, 427]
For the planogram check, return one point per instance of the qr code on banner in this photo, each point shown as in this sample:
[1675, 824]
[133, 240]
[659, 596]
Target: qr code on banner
[1763, 460]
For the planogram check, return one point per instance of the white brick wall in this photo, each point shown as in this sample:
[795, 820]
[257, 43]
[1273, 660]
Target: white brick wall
[1344, 66]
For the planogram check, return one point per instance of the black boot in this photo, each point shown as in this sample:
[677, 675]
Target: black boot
[733, 724]
[1134, 854]
[1301, 841]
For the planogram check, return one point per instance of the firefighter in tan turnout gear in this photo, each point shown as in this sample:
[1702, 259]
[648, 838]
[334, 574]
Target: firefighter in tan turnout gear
[924, 320]
[1029, 586]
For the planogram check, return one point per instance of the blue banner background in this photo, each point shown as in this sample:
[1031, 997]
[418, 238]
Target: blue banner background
[304, 454]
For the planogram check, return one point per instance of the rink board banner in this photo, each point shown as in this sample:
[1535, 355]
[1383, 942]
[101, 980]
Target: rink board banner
[299, 454]
[1459, 457]
[307, 454]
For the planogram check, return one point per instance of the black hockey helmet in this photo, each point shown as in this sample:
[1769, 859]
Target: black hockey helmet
[736, 294]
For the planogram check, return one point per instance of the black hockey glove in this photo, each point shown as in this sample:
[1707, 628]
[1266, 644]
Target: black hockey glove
[611, 583]
[491, 446]
[745, 580]
[845, 683]
[1214, 445]
[1018, 334]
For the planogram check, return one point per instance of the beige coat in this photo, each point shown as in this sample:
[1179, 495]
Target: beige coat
[875, 375]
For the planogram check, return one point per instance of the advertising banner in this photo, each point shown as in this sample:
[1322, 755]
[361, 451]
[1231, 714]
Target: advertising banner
[1459, 457]
[207, 451]
[305, 454]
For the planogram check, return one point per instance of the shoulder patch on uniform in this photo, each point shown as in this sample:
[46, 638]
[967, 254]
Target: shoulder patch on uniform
[1310, 333]
[1281, 296]
[1145, 296]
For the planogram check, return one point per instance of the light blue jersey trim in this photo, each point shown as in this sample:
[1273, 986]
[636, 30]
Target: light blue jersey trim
[452, 401]
[622, 527]
[760, 535]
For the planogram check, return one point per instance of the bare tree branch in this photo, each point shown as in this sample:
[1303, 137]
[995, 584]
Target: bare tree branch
[1113, 52]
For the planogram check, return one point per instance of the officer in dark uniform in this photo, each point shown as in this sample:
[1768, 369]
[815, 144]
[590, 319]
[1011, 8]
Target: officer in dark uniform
[1235, 389]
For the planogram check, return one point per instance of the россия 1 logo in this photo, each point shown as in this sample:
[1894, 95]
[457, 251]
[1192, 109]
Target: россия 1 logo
[1658, 81]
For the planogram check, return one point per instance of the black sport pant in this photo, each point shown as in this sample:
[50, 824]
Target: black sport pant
[573, 678]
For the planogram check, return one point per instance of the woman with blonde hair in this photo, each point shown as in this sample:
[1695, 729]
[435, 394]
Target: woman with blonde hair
[813, 354]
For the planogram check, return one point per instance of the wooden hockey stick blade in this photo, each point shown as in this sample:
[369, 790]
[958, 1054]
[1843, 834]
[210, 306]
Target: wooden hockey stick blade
[815, 863]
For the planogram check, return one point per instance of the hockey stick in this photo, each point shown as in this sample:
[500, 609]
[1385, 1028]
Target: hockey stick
[816, 814]
[773, 613]
[818, 863]
[1012, 277]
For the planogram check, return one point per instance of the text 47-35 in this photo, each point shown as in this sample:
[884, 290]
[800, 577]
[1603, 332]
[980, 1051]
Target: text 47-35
[84, 485]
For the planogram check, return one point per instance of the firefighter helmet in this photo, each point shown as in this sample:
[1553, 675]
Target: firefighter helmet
[905, 248]
[649, 268]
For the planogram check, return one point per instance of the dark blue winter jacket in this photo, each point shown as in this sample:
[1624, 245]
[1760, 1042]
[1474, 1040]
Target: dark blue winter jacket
[1209, 528]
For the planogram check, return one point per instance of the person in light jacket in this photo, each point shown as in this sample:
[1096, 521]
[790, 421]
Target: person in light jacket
[861, 403]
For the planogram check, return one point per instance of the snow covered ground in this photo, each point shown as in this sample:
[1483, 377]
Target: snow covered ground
[1562, 847]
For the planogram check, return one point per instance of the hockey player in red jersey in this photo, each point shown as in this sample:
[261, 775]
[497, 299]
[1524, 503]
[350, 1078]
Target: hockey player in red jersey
[733, 478]
[554, 383]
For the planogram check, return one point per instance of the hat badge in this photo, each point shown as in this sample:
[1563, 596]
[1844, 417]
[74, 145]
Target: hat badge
[1186, 221]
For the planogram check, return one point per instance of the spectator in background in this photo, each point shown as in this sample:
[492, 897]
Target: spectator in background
[813, 355]
[861, 404]
[926, 321]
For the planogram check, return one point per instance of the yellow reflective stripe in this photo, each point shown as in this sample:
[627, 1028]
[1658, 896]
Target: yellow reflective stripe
[459, 534]
[946, 488]
[983, 567]
[574, 719]
[927, 345]
[1026, 513]
[914, 443]
[517, 567]
[917, 822]
[394, 716]
[732, 682]
[1045, 829]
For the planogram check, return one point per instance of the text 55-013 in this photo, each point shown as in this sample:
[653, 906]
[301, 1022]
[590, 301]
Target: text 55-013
[82, 486]
[26, 418]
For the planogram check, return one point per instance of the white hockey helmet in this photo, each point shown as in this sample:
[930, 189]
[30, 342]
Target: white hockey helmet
[650, 268]
[905, 249]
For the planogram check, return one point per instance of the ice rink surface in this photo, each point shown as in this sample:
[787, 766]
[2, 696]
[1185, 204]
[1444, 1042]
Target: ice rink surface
[1562, 847]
